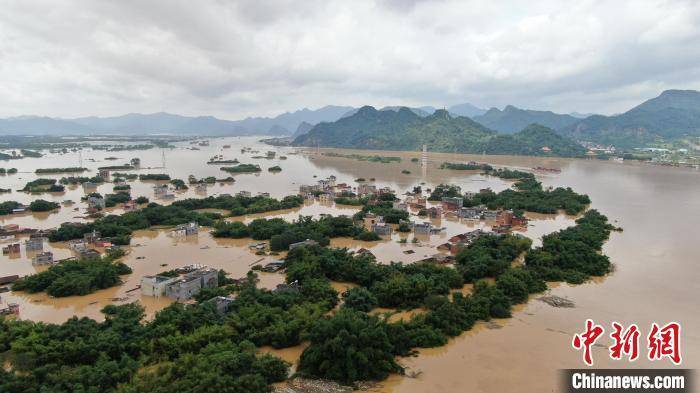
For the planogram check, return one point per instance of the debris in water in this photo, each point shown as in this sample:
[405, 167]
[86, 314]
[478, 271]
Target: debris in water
[556, 301]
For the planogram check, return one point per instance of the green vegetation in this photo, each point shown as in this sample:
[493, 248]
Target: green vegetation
[9, 171]
[405, 171]
[154, 176]
[8, 206]
[60, 170]
[70, 278]
[490, 256]
[119, 228]
[210, 180]
[124, 167]
[123, 187]
[385, 209]
[350, 201]
[358, 341]
[360, 299]
[511, 119]
[529, 196]
[573, 254]
[671, 117]
[470, 166]
[241, 168]
[80, 180]
[240, 205]
[40, 205]
[405, 130]
[31, 153]
[187, 349]
[43, 185]
[445, 191]
[509, 174]
[126, 176]
[281, 233]
[359, 157]
[275, 168]
[5, 156]
[124, 147]
[141, 200]
[112, 200]
[221, 162]
[179, 184]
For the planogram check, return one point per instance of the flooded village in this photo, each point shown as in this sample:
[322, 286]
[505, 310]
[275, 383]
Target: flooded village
[175, 263]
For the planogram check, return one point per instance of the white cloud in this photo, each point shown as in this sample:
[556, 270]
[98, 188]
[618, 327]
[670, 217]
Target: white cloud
[233, 59]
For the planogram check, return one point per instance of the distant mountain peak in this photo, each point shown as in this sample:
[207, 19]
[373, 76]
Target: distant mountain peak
[513, 119]
[441, 114]
[672, 115]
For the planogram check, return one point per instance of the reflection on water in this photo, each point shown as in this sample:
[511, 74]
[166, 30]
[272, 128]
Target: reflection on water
[658, 208]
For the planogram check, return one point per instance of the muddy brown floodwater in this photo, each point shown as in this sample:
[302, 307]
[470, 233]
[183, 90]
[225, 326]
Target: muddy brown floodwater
[656, 277]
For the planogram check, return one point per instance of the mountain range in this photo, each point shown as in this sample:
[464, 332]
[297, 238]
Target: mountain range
[672, 116]
[136, 123]
[511, 119]
[403, 129]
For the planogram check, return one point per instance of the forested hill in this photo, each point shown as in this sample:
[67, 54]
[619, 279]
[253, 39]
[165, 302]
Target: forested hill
[405, 130]
[511, 119]
[673, 115]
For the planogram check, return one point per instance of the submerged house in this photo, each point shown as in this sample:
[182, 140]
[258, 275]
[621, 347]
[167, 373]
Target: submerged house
[186, 287]
[43, 258]
[188, 229]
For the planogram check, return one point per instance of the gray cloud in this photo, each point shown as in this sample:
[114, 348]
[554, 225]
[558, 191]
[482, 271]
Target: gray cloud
[262, 57]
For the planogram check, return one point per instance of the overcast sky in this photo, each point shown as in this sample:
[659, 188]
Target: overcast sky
[232, 59]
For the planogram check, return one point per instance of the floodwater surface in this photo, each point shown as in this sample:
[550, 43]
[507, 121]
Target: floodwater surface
[656, 258]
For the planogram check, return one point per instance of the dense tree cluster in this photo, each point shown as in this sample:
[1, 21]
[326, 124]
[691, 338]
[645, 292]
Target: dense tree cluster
[469, 166]
[490, 255]
[80, 180]
[394, 285]
[112, 200]
[282, 233]
[530, 196]
[154, 176]
[385, 209]
[573, 254]
[78, 277]
[43, 185]
[8, 206]
[120, 227]
[40, 205]
[240, 205]
[241, 168]
[183, 349]
[60, 170]
[445, 191]
[509, 174]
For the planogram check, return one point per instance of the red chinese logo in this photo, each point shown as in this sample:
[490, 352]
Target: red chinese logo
[586, 339]
[626, 342]
[662, 342]
[665, 342]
